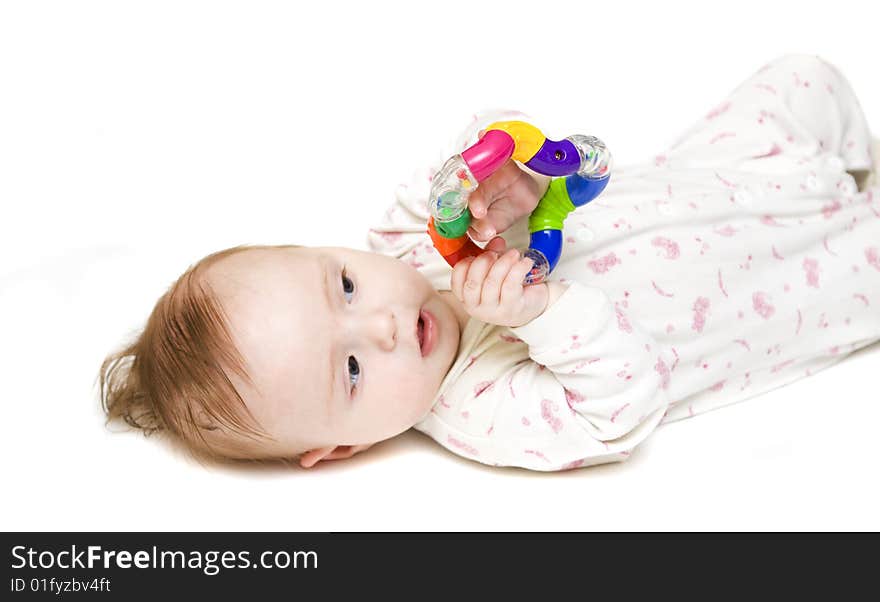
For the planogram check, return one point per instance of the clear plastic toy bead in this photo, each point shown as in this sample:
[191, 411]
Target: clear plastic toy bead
[451, 188]
[596, 160]
[540, 267]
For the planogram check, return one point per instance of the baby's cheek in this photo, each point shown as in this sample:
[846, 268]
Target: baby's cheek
[415, 392]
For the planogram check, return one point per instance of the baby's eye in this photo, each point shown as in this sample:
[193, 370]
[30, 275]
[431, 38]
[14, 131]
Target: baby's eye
[354, 371]
[347, 286]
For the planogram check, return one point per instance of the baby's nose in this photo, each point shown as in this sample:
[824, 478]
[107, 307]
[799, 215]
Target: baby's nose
[381, 328]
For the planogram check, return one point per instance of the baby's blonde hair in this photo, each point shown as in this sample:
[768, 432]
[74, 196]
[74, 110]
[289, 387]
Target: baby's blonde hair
[173, 376]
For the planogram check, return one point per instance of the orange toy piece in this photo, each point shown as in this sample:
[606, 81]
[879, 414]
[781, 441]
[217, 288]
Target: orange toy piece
[453, 249]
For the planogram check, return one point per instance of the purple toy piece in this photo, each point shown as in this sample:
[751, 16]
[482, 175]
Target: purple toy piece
[556, 158]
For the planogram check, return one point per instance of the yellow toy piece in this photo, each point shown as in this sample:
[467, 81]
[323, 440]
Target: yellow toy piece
[528, 138]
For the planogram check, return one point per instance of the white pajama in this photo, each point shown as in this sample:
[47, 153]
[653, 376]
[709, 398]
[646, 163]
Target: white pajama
[739, 260]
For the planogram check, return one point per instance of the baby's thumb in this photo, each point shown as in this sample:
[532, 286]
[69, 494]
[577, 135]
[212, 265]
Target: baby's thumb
[477, 204]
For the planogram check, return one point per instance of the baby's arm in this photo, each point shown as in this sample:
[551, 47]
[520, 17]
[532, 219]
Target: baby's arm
[608, 369]
[595, 385]
[593, 388]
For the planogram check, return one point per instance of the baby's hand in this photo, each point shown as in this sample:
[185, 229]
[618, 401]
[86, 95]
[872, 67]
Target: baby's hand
[490, 286]
[501, 199]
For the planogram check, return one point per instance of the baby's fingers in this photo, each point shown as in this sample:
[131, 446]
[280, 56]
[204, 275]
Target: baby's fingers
[482, 226]
[481, 230]
[478, 203]
[512, 287]
[459, 274]
[491, 294]
[473, 284]
[492, 188]
[497, 244]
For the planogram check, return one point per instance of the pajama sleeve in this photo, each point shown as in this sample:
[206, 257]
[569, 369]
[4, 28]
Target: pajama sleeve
[404, 225]
[596, 386]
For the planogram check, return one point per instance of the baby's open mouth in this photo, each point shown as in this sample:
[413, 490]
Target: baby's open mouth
[426, 331]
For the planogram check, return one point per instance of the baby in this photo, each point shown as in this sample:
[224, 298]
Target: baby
[744, 257]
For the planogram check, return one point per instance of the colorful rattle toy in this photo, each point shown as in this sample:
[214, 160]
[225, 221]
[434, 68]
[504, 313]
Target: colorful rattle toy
[583, 159]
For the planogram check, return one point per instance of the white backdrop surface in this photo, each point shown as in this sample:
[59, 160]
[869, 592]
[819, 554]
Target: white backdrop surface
[137, 137]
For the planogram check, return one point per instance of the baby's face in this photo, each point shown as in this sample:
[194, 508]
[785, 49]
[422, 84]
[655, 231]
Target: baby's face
[329, 337]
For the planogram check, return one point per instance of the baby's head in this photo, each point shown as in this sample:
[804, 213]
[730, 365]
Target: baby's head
[285, 352]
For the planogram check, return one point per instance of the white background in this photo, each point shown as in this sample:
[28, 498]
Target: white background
[137, 137]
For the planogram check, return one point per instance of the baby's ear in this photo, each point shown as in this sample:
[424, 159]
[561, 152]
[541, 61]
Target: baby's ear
[338, 452]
